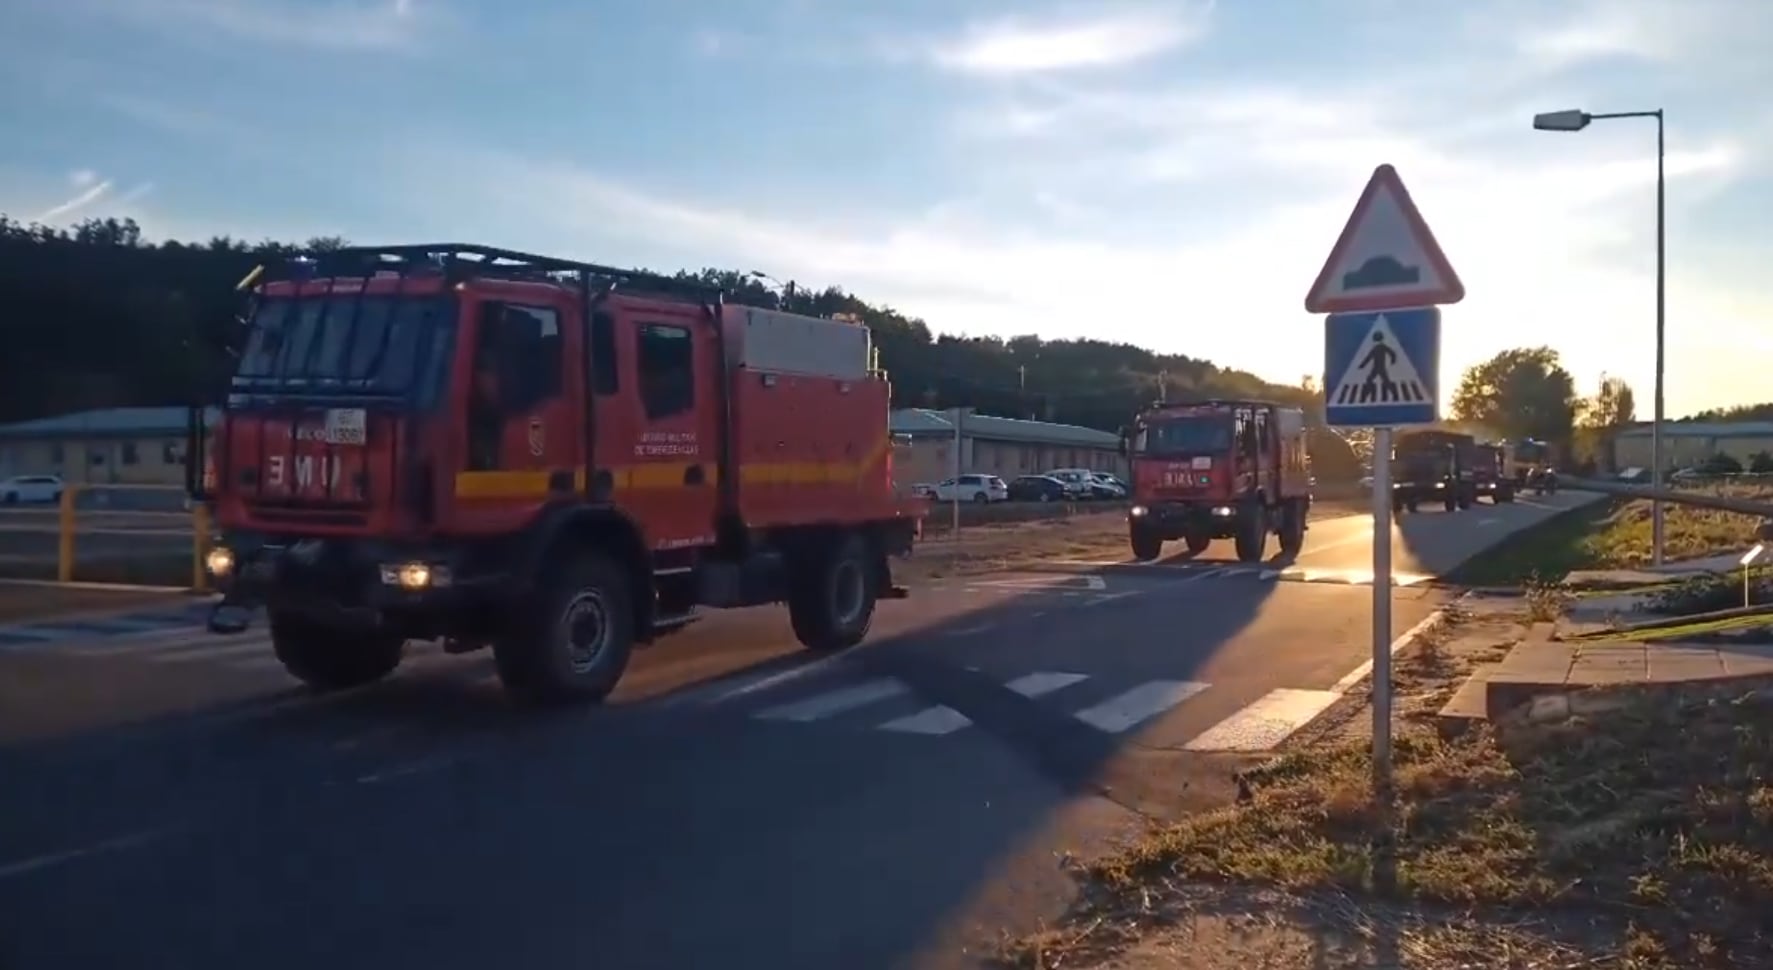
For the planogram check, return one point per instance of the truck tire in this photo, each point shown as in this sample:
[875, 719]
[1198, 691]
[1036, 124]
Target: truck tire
[328, 659]
[1451, 502]
[1505, 495]
[832, 592]
[572, 642]
[1292, 527]
[1251, 538]
[1197, 542]
[1146, 546]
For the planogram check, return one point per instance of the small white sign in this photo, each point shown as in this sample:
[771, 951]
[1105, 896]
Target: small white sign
[346, 426]
[1203, 463]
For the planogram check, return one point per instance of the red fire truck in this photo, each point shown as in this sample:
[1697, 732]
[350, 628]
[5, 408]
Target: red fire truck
[1219, 469]
[550, 458]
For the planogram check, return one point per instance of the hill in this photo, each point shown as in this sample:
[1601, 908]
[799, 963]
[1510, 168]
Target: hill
[98, 316]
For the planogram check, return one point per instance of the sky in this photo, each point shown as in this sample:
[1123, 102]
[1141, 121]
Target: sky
[1167, 174]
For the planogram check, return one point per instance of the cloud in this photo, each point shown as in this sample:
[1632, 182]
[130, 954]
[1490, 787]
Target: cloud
[1014, 47]
[339, 25]
[91, 191]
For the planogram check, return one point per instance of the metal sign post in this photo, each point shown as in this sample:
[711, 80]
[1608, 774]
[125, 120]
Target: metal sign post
[1382, 286]
[1381, 689]
[1748, 559]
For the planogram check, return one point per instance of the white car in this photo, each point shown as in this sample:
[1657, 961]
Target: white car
[972, 488]
[25, 489]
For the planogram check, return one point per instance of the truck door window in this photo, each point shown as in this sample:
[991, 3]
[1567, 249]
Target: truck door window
[603, 354]
[666, 364]
[517, 355]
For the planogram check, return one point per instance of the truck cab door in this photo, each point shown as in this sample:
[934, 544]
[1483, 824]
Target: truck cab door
[517, 450]
[672, 483]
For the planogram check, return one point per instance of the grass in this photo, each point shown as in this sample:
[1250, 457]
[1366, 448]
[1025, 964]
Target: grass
[1613, 534]
[1647, 831]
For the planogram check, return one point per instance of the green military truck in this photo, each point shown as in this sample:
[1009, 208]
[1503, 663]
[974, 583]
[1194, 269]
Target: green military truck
[1433, 466]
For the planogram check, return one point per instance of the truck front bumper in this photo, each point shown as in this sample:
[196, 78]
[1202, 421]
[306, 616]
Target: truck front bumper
[352, 584]
[1173, 520]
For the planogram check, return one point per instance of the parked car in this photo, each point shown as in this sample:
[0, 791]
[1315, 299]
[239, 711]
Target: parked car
[1077, 482]
[22, 489]
[1106, 486]
[1038, 488]
[971, 488]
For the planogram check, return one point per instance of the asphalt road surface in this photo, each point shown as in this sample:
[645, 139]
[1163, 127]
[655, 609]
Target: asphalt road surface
[171, 797]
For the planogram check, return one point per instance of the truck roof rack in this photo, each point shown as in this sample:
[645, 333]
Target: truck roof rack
[462, 261]
[1218, 402]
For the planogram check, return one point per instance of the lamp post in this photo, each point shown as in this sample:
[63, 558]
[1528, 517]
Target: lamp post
[1576, 120]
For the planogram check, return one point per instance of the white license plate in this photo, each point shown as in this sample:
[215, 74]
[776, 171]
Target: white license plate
[345, 426]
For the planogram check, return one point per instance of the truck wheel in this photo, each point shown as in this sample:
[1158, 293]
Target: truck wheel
[329, 659]
[832, 593]
[573, 641]
[1451, 502]
[1292, 527]
[1252, 532]
[1197, 542]
[1414, 506]
[1147, 546]
[1467, 501]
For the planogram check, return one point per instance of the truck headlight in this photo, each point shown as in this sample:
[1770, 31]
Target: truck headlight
[415, 575]
[1137, 511]
[219, 561]
[1223, 511]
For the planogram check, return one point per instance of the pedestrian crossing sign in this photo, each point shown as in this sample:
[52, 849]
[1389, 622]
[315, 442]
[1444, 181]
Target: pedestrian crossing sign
[1382, 368]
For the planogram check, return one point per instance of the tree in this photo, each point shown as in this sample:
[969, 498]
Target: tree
[1612, 407]
[1520, 393]
[1610, 411]
[98, 316]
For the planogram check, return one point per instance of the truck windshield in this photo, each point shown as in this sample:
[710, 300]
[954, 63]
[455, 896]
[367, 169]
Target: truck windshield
[313, 343]
[1186, 436]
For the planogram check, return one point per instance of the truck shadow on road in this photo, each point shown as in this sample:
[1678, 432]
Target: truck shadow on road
[674, 835]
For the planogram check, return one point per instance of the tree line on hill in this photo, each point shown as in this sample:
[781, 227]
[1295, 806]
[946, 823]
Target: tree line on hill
[96, 315]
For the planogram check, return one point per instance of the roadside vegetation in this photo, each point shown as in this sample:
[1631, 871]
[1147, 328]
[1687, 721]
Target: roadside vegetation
[1614, 534]
[1638, 837]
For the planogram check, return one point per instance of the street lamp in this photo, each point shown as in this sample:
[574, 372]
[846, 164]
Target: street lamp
[1576, 120]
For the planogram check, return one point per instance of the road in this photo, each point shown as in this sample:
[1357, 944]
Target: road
[737, 804]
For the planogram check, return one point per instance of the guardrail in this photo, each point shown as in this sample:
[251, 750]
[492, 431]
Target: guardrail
[1722, 503]
[128, 529]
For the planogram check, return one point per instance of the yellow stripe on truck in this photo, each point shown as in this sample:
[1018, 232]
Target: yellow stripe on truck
[533, 483]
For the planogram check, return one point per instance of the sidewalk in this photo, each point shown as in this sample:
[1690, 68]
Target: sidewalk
[1553, 678]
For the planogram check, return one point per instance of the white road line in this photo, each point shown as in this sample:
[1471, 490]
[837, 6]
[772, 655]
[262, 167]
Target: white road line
[1124, 710]
[836, 701]
[152, 639]
[1354, 676]
[50, 860]
[930, 721]
[1266, 722]
[1043, 682]
[946, 720]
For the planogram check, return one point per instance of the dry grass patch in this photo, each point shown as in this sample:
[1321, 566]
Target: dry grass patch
[1651, 825]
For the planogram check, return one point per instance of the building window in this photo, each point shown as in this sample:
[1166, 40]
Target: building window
[172, 453]
[130, 455]
[56, 453]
